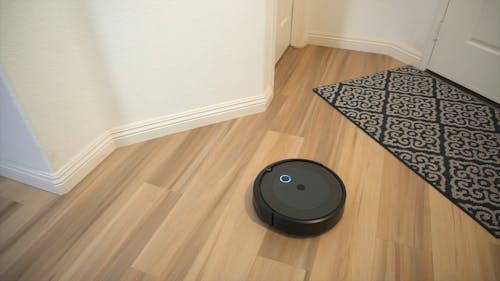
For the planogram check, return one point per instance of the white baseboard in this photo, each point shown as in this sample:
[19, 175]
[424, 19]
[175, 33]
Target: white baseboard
[69, 175]
[169, 124]
[83, 163]
[32, 177]
[379, 47]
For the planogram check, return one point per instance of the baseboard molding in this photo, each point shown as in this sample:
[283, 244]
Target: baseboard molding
[63, 180]
[32, 177]
[379, 47]
[83, 163]
[169, 124]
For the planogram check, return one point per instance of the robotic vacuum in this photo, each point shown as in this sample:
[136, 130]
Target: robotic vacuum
[299, 197]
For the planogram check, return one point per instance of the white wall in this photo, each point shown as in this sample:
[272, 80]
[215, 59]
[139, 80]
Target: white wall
[51, 64]
[18, 145]
[165, 57]
[400, 24]
[91, 75]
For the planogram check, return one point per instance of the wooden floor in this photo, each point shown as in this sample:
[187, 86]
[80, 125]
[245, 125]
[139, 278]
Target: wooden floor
[179, 207]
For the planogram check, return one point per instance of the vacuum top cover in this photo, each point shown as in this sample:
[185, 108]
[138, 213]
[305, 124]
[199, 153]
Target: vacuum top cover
[299, 196]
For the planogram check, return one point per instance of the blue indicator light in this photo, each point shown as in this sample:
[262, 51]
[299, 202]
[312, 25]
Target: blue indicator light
[285, 179]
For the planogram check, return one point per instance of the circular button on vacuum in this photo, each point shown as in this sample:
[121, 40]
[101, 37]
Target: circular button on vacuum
[285, 179]
[299, 196]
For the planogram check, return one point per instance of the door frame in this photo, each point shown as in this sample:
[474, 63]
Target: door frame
[292, 2]
[298, 36]
[434, 34]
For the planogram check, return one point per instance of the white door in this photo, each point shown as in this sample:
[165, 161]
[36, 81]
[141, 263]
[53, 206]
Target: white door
[283, 27]
[467, 50]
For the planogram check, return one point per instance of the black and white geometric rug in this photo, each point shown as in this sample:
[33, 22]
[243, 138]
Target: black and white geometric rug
[447, 136]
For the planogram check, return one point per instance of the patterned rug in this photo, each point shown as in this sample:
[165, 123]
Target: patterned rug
[447, 136]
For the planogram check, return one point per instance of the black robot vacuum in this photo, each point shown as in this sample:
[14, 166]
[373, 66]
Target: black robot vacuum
[299, 197]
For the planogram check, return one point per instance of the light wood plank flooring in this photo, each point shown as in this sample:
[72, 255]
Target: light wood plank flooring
[179, 207]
